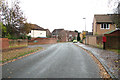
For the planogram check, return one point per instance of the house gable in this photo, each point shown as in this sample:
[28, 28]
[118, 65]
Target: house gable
[37, 33]
[102, 24]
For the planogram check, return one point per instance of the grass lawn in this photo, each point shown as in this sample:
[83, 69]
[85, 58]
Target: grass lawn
[17, 46]
[13, 54]
[115, 50]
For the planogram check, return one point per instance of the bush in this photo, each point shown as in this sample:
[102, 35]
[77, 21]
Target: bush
[81, 41]
[48, 36]
[58, 41]
[29, 37]
[8, 36]
[23, 36]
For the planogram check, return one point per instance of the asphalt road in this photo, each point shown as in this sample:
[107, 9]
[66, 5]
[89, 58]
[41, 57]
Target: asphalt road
[62, 60]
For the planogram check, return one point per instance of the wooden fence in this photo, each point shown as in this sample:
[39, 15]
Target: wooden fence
[94, 41]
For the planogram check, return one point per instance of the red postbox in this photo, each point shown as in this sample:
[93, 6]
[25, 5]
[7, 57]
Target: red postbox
[104, 39]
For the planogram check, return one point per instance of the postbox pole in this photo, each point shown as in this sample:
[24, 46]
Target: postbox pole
[104, 41]
[103, 45]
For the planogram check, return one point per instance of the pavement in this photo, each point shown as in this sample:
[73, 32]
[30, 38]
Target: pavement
[109, 59]
[61, 60]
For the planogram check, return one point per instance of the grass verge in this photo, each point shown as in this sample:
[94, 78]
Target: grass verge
[17, 46]
[115, 50]
[14, 54]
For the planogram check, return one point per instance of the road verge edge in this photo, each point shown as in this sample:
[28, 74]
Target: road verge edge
[17, 58]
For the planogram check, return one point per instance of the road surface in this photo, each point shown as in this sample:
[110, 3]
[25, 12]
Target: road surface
[62, 60]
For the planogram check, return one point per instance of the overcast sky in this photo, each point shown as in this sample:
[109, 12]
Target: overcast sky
[67, 14]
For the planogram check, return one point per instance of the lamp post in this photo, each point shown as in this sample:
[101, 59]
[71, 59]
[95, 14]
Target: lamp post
[85, 29]
[85, 23]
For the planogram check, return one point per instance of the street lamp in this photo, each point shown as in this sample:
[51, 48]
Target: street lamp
[85, 23]
[85, 29]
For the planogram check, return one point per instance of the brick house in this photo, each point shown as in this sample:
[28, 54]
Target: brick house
[64, 35]
[56, 32]
[102, 23]
[72, 35]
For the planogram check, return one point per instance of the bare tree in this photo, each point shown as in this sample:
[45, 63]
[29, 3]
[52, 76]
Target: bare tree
[12, 17]
[113, 3]
[116, 15]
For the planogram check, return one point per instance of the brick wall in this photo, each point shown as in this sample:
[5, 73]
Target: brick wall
[17, 43]
[42, 41]
[9, 44]
[92, 40]
[5, 43]
[87, 40]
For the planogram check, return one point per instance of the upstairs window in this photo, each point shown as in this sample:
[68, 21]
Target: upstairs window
[105, 26]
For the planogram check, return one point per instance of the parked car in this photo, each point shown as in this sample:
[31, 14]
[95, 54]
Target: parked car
[74, 41]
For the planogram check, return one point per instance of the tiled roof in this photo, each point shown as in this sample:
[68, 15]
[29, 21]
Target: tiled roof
[57, 31]
[36, 27]
[103, 18]
[109, 32]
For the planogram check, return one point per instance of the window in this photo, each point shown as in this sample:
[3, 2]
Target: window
[105, 26]
[40, 33]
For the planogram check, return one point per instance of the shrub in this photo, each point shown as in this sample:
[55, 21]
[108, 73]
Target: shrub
[81, 41]
[29, 37]
[58, 41]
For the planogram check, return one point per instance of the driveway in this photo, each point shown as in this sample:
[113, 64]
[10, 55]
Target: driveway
[62, 60]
